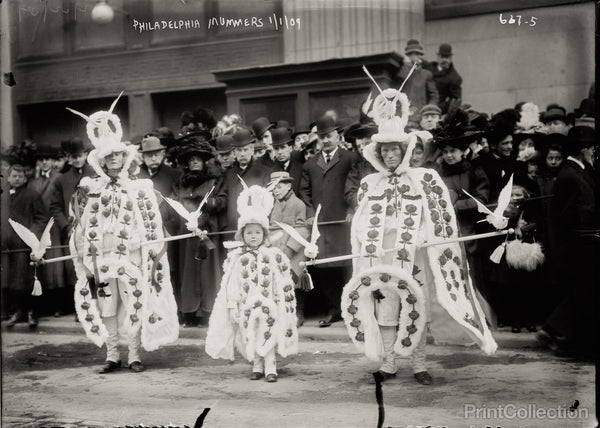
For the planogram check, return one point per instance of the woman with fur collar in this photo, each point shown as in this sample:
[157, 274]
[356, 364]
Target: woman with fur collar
[121, 285]
[199, 268]
[387, 302]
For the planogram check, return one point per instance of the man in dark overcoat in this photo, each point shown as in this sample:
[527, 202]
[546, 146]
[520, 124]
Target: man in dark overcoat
[574, 218]
[286, 158]
[447, 80]
[245, 167]
[164, 178]
[323, 182]
[25, 206]
[63, 189]
[53, 276]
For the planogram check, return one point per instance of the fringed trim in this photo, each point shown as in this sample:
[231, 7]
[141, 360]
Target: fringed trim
[358, 304]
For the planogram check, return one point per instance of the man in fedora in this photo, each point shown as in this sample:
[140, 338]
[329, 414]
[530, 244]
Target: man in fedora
[323, 181]
[261, 128]
[447, 80]
[555, 119]
[52, 275]
[163, 176]
[245, 167]
[65, 184]
[63, 188]
[420, 87]
[286, 159]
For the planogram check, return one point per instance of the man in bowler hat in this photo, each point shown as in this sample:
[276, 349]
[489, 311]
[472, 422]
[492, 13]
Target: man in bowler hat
[323, 181]
[447, 80]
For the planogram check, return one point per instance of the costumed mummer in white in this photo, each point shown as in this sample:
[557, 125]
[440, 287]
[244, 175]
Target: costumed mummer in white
[387, 304]
[121, 285]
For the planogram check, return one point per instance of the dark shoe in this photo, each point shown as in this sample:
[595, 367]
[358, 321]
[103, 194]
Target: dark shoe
[32, 321]
[110, 366]
[384, 376]
[423, 378]
[547, 340]
[137, 367]
[516, 329]
[531, 328]
[256, 375]
[14, 318]
[330, 320]
[58, 314]
[271, 377]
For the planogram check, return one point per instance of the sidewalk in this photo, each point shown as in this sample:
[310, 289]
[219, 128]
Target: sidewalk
[310, 331]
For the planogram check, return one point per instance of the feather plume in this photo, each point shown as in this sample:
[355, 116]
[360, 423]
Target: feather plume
[530, 117]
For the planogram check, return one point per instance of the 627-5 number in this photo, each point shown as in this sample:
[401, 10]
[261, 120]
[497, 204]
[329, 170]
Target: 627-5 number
[517, 21]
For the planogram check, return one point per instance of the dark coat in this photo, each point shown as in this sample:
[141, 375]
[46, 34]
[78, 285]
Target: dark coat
[498, 171]
[573, 209]
[52, 275]
[463, 176]
[357, 173]
[64, 187]
[25, 206]
[165, 180]
[448, 83]
[199, 264]
[231, 188]
[324, 184]
[420, 88]
[295, 170]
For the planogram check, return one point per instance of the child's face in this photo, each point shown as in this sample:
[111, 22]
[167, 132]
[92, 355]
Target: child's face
[554, 158]
[517, 194]
[532, 170]
[281, 189]
[452, 155]
[417, 157]
[17, 177]
[253, 235]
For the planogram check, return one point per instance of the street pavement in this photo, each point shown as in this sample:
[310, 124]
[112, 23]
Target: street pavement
[50, 379]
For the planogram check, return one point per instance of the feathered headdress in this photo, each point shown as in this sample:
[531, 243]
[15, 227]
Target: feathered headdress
[530, 120]
[456, 129]
[105, 133]
[254, 205]
[23, 153]
[501, 125]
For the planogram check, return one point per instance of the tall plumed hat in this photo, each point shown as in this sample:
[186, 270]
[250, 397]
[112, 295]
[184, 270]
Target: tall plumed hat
[105, 133]
[23, 153]
[501, 125]
[456, 130]
[529, 126]
[254, 205]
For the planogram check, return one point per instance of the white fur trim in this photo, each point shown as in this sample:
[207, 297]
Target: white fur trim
[523, 255]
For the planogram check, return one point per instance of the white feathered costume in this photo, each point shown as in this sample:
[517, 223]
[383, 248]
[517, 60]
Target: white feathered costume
[257, 283]
[114, 216]
[400, 210]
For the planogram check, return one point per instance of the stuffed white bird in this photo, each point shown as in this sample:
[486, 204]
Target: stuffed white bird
[38, 247]
[190, 217]
[496, 218]
[310, 248]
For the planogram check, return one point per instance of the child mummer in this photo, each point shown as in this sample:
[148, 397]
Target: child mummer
[255, 308]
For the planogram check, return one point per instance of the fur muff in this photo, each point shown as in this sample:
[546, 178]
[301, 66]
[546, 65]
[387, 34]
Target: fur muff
[523, 255]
